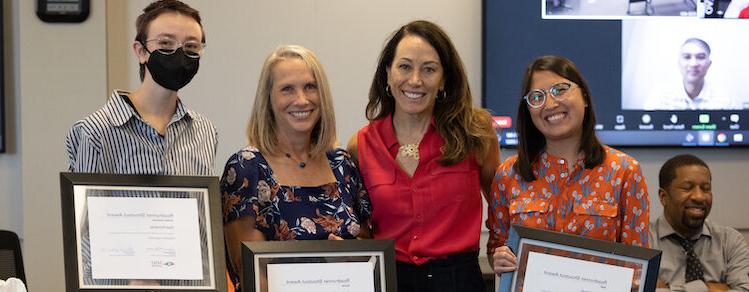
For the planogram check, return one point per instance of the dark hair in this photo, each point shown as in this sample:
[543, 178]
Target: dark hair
[699, 42]
[152, 11]
[463, 127]
[531, 141]
[668, 170]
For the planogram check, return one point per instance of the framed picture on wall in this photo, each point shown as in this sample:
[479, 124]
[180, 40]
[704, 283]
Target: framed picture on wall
[142, 232]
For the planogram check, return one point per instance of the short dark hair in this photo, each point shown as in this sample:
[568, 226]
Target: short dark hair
[152, 11]
[699, 42]
[464, 127]
[531, 141]
[668, 170]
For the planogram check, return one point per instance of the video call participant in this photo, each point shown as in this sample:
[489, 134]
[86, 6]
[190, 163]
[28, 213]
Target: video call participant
[563, 179]
[696, 92]
[698, 254]
[291, 182]
[425, 157]
[150, 130]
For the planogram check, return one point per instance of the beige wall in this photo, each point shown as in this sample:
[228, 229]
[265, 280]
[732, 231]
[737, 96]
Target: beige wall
[59, 74]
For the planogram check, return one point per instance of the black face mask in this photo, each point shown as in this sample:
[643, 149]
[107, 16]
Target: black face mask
[172, 71]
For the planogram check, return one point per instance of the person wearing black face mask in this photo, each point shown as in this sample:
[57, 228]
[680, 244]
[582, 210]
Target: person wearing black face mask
[170, 68]
[149, 130]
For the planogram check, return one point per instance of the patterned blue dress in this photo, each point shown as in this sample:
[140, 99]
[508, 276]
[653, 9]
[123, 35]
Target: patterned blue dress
[249, 188]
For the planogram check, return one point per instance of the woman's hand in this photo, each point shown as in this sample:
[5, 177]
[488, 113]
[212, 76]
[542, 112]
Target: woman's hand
[334, 237]
[503, 260]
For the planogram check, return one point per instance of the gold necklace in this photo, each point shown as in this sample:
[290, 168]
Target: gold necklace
[409, 150]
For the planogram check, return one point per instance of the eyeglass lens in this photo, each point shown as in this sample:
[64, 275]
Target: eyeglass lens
[169, 46]
[537, 97]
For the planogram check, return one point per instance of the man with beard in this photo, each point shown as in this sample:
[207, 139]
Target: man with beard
[698, 255]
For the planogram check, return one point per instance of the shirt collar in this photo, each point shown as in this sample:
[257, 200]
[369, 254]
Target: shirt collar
[388, 131]
[121, 112]
[664, 229]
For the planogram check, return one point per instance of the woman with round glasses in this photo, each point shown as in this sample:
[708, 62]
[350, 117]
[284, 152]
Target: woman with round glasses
[562, 178]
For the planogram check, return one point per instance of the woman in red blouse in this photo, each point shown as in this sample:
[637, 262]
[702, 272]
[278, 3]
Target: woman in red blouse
[563, 178]
[425, 157]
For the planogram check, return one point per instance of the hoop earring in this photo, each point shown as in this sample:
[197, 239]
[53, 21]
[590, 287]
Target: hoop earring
[387, 90]
[441, 95]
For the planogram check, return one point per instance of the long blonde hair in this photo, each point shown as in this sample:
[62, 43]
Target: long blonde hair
[261, 128]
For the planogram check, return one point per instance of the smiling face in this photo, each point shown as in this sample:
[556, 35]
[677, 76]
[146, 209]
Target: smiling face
[558, 120]
[295, 98]
[688, 199]
[694, 61]
[415, 76]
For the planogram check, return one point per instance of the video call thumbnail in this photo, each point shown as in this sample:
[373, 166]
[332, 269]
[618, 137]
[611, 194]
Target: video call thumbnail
[684, 64]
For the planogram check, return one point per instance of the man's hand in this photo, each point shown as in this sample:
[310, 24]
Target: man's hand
[660, 284]
[715, 286]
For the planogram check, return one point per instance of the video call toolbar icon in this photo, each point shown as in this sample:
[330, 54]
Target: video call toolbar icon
[734, 118]
[620, 119]
[704, 118]
[689, 138]
[674, 119]
[646, 119]
[721, 138]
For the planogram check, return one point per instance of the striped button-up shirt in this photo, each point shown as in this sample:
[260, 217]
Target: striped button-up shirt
[115, 139]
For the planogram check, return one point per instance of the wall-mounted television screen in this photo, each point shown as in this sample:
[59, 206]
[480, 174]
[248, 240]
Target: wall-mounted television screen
[661, 73]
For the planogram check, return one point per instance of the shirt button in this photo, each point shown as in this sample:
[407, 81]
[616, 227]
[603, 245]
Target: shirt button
[416, 237]
[561, 161]
[415, 258]
[563, 175]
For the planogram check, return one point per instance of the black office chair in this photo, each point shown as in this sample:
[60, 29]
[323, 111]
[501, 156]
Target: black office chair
[11, 263]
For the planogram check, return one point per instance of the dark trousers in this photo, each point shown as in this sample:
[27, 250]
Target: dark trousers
[458, 272]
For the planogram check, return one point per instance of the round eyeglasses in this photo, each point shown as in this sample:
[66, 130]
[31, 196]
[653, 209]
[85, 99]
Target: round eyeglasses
[536, 98]
[167, 46]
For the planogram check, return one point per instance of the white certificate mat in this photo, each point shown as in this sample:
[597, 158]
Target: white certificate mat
[545, 272]
[321, 277]
[145, 238]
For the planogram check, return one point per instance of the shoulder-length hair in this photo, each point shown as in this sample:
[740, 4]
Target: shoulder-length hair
[464, 128]
[261, 129]
[531, 141]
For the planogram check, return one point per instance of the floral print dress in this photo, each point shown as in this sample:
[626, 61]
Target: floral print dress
[249, 188]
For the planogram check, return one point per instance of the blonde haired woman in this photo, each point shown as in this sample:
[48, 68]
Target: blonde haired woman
[291, 182]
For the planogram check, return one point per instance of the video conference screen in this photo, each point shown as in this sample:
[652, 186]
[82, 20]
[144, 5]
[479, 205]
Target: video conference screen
[661, 72]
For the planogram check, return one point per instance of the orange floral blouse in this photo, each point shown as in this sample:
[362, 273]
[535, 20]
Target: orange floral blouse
[609, 201]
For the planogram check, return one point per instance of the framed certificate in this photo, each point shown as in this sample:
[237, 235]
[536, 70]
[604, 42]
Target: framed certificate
[142, 233]
[319, 265]
[553, 261]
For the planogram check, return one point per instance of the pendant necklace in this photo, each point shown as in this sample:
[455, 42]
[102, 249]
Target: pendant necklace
[300, 164]
[410, 151]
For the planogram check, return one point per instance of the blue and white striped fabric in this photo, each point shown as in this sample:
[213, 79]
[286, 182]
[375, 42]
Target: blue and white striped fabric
[115, 139]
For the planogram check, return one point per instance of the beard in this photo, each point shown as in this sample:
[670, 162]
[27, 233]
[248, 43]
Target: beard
[693, 223]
